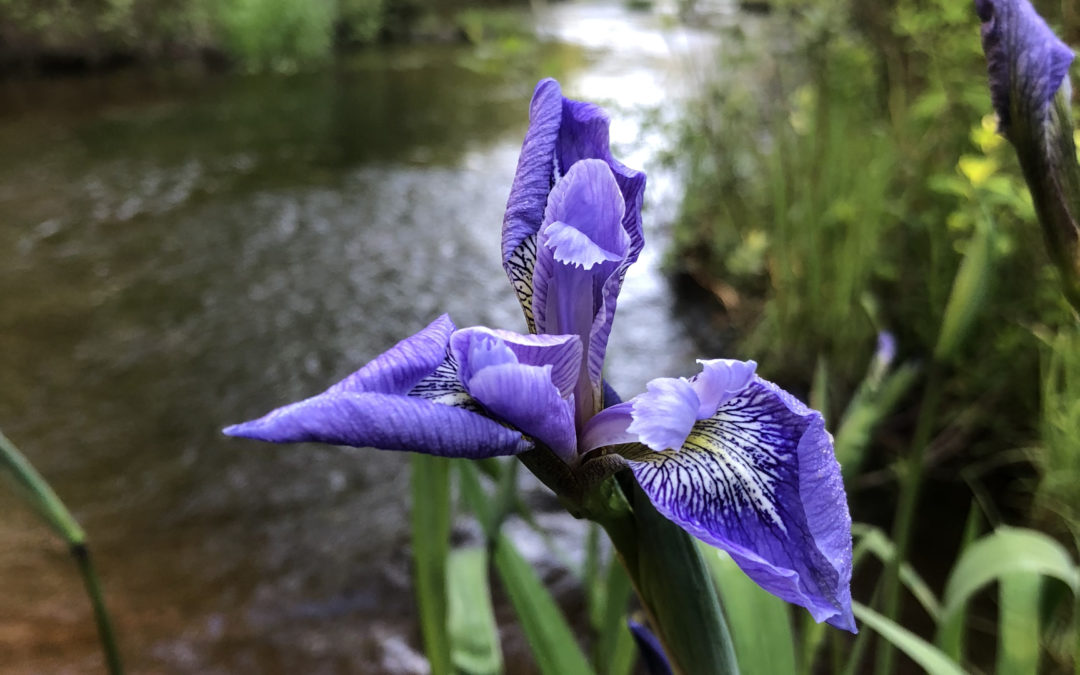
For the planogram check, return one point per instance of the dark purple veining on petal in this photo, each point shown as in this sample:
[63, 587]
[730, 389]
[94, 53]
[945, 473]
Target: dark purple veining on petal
[759, 480]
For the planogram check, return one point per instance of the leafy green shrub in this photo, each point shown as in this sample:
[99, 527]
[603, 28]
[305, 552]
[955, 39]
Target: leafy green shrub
[279, 35]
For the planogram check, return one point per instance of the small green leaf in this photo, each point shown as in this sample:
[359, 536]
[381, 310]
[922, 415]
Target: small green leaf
[1006, 551]
[552, 642]
[873, 540]
[1018, 624]
[969, 291]
[431, 548]
[760, 624]
[929, 657]
[615, 650]
[872, 402]
[474, 636]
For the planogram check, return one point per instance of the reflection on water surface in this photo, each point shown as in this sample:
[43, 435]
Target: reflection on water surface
[181, 253]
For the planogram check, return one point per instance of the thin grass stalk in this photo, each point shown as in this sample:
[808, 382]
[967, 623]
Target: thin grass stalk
[101, 615]
[44, 500]
[910, 484]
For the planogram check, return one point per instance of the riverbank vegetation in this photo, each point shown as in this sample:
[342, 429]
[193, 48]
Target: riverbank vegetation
[846, 184]
[264, 35]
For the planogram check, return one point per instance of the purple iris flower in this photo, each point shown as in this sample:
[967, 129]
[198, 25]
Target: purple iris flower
[729, 457]
[1026, 61]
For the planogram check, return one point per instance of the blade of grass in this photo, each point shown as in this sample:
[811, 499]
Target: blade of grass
[1018, 624]
[39, 495]
[615, 645]
[1006, 551]
[474, 636]
[874, 540]
[760, 624]
[550, 637]
[431, 548]
[929, 657]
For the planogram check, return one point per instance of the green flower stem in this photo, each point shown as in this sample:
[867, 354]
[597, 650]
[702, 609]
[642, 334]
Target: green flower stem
[669, 576]
[910, 484]
[661, 559]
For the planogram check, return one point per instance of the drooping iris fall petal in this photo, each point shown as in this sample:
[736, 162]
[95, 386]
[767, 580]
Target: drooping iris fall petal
[581, 254]
[756, 477]
[408, 398]
[386, 422]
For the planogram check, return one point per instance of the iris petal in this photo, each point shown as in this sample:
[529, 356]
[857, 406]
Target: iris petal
[524, 396]
[759, 480]
[718, 381]
[508, 375]
[1027, 63]
[609, 427]
[571, 246]
[561, 133]
[561, 352]
[535, 170]
[386, 422]
[401, 367]
[664, 415]
[574, 291]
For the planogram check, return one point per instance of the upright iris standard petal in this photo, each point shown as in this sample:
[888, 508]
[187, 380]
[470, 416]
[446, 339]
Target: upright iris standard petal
[408, 398]
[582, 248]
[1026, 61]
[756, 477]
[561, 133]
[523, 391]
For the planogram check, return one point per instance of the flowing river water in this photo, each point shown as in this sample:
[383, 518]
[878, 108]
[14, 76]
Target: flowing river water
[185, 251]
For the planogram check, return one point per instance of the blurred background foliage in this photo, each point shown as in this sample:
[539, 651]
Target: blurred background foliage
[262, 35]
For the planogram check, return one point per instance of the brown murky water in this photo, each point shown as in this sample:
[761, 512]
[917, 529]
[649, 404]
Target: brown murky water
[183, 252]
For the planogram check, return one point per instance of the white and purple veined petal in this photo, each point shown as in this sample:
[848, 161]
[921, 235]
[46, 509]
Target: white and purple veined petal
[525, 381]
[1027, 63]
[409, 398]
[561, 133]
[757, 477]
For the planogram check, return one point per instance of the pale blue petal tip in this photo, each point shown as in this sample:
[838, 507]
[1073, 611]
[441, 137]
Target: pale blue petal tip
[664, 415]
